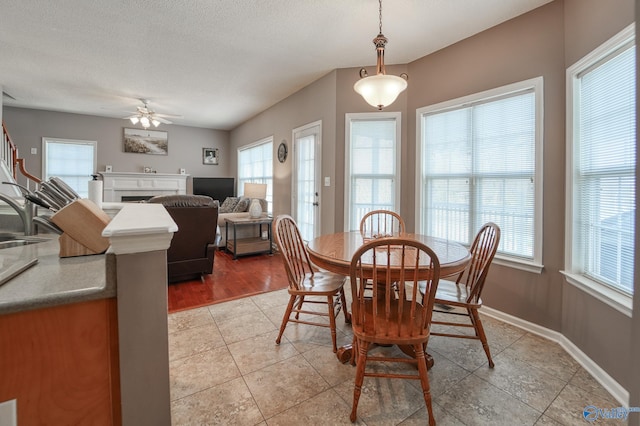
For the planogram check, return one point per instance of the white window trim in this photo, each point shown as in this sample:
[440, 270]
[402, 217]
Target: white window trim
[535, 265]
[612, 297]
[45, 140]
[268, 139]
[347, 155]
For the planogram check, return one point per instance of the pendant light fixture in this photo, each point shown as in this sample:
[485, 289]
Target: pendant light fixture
[380, 90]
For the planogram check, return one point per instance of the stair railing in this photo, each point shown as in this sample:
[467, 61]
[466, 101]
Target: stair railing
[9, 154]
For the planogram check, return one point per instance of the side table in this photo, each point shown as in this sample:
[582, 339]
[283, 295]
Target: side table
[249, 245]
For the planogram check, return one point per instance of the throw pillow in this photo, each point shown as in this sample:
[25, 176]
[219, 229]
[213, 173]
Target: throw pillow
[229, 205]
[243, 205]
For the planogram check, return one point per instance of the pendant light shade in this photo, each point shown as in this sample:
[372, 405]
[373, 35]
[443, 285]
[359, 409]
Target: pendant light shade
[380, 90]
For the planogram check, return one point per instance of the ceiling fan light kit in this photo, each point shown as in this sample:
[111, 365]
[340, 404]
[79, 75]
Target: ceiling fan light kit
[147, 117]
[380, 90]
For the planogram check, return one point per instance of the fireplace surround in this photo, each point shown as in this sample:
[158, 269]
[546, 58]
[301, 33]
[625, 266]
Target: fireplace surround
[117, 185]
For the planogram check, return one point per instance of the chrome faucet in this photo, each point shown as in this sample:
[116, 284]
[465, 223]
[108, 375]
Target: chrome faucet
[26, 211]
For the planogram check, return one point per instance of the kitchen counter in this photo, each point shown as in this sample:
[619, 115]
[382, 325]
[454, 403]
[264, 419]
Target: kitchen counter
[53, 280]
[93, 325]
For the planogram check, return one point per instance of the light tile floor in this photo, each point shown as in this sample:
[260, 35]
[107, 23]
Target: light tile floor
[227, 370]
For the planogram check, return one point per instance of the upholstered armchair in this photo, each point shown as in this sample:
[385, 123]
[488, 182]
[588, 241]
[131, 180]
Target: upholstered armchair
[192, 249]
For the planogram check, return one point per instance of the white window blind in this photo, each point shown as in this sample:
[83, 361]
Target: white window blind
[73, 161]
[255, 165]
[604, 169]
[479, 165]
[372, 169]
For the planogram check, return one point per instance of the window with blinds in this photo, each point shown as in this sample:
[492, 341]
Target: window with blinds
[602, 160]
[255, 165]
[372, 156]
[479, 163]
[73, 161]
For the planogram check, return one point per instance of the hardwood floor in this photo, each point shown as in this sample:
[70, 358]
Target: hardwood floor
[231, 279]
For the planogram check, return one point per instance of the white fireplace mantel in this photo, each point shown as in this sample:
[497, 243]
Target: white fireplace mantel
[119, 184]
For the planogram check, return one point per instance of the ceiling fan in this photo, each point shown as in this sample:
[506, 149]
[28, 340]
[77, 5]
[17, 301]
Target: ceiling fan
[146, 116]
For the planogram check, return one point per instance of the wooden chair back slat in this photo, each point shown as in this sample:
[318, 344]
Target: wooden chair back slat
[292, 247]
[381, 223]
[483, 250]
[392, 286]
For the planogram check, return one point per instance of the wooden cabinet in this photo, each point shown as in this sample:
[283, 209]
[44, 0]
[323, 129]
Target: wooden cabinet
[61, 364]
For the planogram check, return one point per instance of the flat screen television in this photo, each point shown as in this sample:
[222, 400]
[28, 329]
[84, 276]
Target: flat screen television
[216, 188]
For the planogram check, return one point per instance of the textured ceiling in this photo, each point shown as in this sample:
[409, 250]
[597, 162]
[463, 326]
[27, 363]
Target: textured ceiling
[215, 62]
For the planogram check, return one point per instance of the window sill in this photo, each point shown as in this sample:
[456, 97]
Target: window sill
[523, 265]
[617, 300]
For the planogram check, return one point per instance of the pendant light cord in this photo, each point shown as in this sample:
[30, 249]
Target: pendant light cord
[380, 15]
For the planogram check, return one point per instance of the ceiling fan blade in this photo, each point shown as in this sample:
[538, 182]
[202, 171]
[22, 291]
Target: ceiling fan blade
[162, 120]
[168, 115]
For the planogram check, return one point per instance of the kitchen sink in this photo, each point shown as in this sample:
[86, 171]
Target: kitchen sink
[13, 241]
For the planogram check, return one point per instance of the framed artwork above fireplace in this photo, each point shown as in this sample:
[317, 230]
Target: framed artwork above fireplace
[145, 141]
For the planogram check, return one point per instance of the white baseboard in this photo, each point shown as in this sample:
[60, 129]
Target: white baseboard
[612, 386]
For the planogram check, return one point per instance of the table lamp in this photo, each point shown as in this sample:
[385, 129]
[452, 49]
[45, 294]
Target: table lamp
[256, 192]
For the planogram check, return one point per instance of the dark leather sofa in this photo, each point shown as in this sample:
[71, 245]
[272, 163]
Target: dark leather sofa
[192, 249]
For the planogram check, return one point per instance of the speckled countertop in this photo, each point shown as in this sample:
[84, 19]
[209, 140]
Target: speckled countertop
[53, 280]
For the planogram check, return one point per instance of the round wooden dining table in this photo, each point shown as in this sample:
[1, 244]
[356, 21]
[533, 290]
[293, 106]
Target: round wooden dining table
[333, 252]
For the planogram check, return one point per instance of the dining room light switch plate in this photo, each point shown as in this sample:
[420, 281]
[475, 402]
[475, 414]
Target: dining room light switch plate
[327, 181]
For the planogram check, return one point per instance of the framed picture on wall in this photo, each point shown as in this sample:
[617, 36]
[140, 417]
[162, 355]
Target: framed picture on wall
[210, 156]
[145, 141]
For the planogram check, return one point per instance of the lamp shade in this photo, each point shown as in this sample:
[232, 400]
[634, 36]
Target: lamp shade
[380, 90]
[255, 190]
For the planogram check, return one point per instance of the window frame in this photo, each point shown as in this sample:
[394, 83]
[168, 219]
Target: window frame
[371, 116]
[45, 167]
[260, 179]
[535, 84]
[615, 298]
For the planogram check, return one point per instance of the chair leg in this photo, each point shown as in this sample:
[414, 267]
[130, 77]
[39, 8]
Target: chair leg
[299, 307]
[424, 381]
[345, 311]
[363, 347]
[477, 324]
[285, 319]
[332, 322]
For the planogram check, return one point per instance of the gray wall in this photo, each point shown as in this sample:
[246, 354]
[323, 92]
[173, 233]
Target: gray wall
[542, 42]
[315, 102]
[28, 126]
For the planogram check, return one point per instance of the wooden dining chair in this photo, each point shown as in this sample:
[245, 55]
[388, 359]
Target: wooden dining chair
[306, 283]
[389, 315]
[465, 292]
[381, 223]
